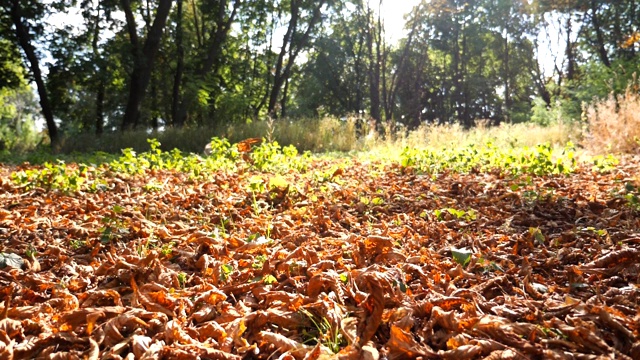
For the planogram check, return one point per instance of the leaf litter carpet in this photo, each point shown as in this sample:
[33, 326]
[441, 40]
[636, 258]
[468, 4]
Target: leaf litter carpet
[369, 262]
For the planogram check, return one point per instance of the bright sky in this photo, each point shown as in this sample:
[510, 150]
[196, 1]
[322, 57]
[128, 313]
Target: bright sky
[393, 12]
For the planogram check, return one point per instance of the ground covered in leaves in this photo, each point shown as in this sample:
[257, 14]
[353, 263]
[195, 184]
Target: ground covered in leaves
[346, 259]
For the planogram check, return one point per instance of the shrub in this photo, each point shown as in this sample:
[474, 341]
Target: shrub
[614, 124]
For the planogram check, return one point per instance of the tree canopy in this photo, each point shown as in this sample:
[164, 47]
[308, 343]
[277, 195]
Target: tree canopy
[132, 64]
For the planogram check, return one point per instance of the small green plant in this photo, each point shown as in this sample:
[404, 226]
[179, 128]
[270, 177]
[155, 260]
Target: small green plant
[537, 236]
[271, 157]
[31, 252]
[538, 160]
[604, 164]
[323, 332]
[632, 195]
[54, 176]
[182, 280]
[469, 215]
[225, 272]
[113, 227]
[257, 186]
[77, 244]
[461, 256]
[258, 262]
[344, 278]
[167, 249]
[153, 186]
[269, 279]
[489, 266]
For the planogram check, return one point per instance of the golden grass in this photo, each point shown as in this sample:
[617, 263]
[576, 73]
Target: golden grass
[505, 135]
[614, 124]
[328, 135]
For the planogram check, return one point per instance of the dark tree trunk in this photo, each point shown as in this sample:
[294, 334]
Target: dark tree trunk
[392, 92]
[467, 120]
[283, 100]
[374, 70]
[101, 85]
[196, 24]
[456, 93]
[292, 46]
[22, 33]
[177, 120]
[144, 59]
[100, 107]
[213, 56]
[602, 51]
[571, 58]
[539, 81]
[507, 90]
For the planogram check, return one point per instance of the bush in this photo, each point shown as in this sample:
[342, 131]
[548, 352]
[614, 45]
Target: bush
[614, 124]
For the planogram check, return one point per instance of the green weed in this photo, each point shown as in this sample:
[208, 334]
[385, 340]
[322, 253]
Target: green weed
[539, 160]
[323, 332]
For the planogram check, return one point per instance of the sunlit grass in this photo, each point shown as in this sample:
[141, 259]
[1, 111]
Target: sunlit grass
[328, 137]
[504, 135]
[614, 124]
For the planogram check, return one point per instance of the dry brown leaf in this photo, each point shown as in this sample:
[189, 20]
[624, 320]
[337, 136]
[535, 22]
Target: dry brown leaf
[402, 345]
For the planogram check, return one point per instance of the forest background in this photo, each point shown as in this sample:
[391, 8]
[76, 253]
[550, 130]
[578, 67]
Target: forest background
[216, 64]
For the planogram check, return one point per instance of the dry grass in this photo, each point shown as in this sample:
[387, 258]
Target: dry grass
[614, 124]
[328, 135]
[505, 135]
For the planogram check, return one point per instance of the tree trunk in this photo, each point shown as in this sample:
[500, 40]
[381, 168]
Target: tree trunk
[100, 91]
[507, 90]
[100, 107]
[177, 120]
[456, 94]
[213, 56]
[571, 58]
[283, 100]
[22, 33]
[144, 59]
[374, 70]
[291, 46]
[602, 51]
[392, 92]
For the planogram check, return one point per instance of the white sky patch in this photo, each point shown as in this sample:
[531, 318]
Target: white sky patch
[393, 12]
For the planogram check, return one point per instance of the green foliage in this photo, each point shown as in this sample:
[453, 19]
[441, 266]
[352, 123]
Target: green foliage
[225, 271]
[537, 235]
[544, 116]
[182, 279]
[603, 163]
[59, 176]
[271, 157]
[538, 160]
[131, 163]
[18, 133]
[69, 178]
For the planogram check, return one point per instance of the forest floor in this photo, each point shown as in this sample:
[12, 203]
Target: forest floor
[370, 260]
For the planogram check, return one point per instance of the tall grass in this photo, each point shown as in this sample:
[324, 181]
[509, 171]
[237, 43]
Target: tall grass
[504, 135]
[614, 124]
[327, 135]
[316, 135]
